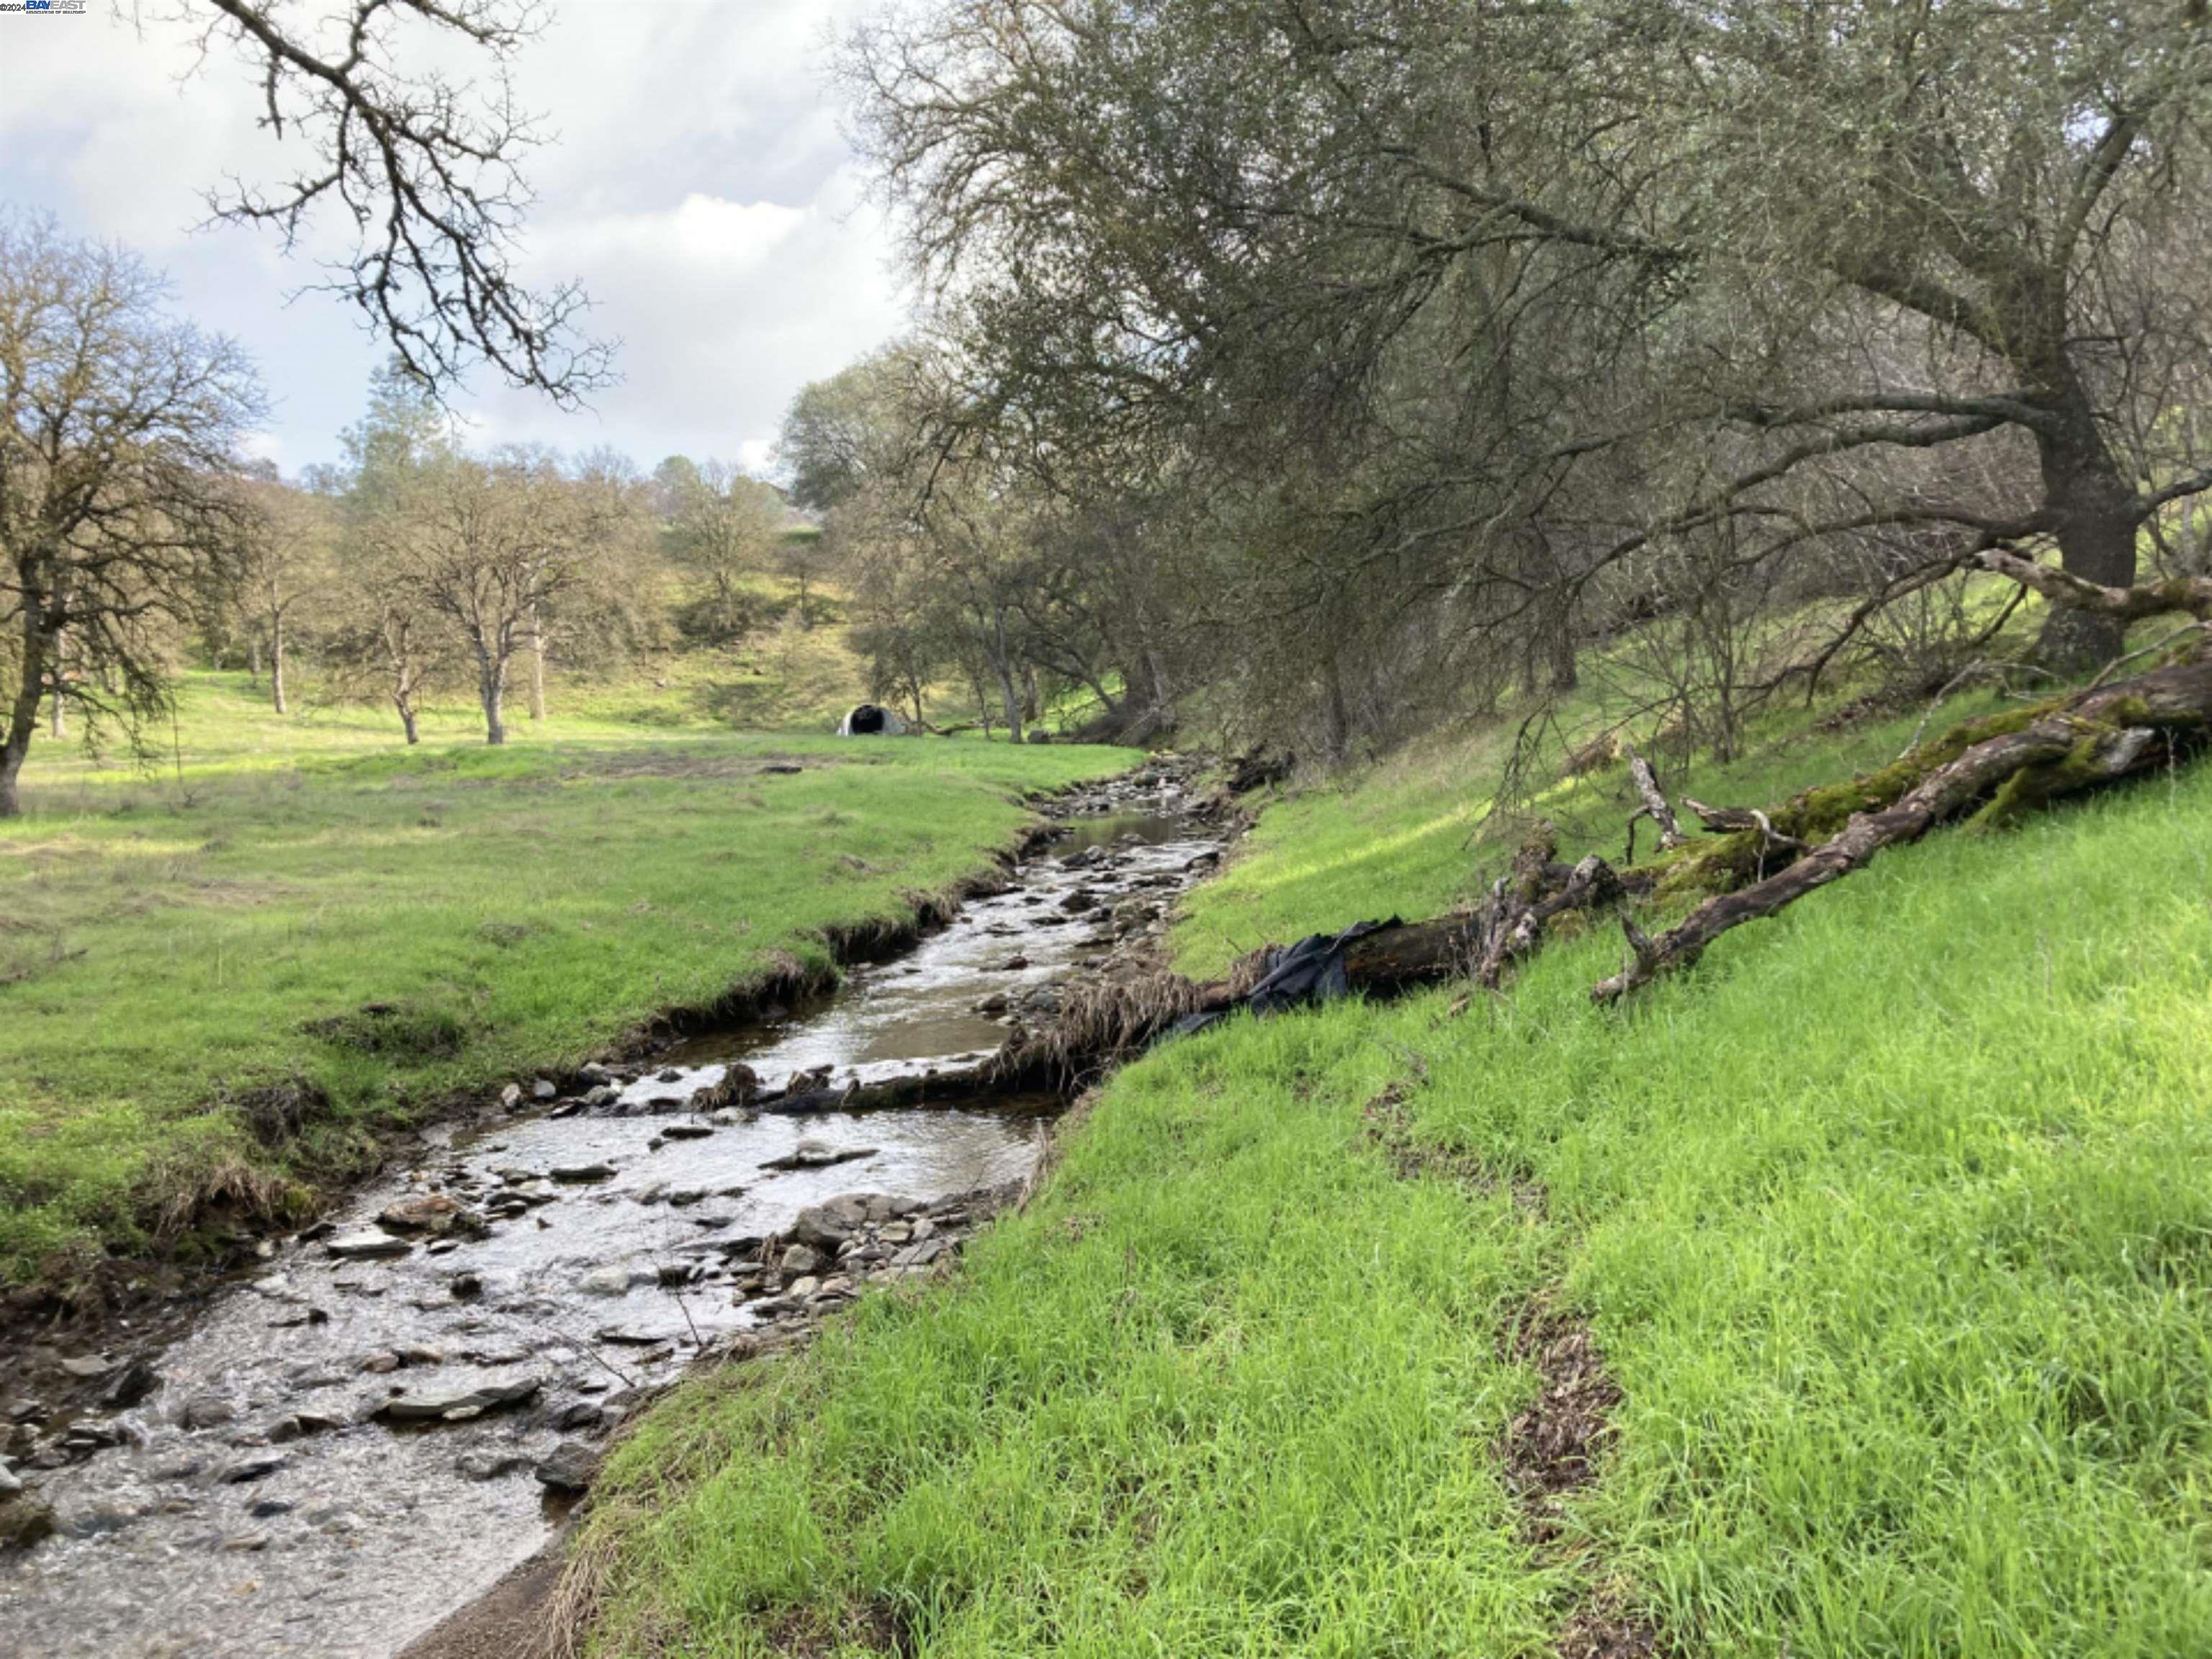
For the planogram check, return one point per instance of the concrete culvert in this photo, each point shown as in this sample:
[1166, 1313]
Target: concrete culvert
[869, 720]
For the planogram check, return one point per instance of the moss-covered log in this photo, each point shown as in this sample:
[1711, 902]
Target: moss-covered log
[2068, 745]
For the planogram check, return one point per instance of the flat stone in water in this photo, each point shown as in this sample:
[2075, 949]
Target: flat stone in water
[576, 1173]
[490, 1465]
[298, 1425]
[818, 1155]
[254, 1468]
[687, 1131]
[605, 1281]
[623, 1336]
[457, 1407]
[432, 1212]
[367, 1246]
[568, 1467]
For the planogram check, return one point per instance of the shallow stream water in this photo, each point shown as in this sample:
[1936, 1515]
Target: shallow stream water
[261, 1501]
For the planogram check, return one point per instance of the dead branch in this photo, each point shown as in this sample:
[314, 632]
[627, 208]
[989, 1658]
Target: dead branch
[1734, 820]
[1655, 806]
[2191, 594]
[2101, 733]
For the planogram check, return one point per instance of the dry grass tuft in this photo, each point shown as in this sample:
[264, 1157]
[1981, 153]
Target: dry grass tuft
[1099, 1021]
[231, 1189]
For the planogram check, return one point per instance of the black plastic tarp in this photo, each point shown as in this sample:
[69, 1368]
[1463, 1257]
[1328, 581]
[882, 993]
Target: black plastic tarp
[1312, 970]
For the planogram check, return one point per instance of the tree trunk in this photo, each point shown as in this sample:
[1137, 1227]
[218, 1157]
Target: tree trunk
[1138, 692]
[999, 661]
[13, 748]
[2093, 514]
[277, 661]
[15, 742]
[982, 702]
[399, 657]
[1335, 718]
[491, 692]
[536, 667]
[253, 659]
[1163, 714]
[1032, 702]
[1559, 635]
[58, 713]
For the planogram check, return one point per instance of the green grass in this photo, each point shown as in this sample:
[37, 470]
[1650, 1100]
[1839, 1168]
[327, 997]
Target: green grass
[1894, 1219]
[172, 943]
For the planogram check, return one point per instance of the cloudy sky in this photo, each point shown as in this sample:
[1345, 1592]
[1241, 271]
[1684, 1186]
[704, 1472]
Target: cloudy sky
[698, 184]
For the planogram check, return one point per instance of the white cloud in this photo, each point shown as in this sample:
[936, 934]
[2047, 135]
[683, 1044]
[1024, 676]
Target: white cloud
[702, 238]
[698, 185]
[264, 447]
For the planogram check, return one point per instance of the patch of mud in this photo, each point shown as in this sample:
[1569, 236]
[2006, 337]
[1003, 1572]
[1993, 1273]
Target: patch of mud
[1551, 1450]
[1390, 1128]
[808, 1633]
[1551, 1447]
[1600, 1629]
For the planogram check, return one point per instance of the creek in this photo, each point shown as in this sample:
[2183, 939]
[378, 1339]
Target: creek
[366, 1431]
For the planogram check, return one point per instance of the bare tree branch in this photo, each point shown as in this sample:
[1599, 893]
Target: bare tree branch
[423, 172]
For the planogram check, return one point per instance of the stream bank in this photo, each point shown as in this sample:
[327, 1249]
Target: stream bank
[369, 1429]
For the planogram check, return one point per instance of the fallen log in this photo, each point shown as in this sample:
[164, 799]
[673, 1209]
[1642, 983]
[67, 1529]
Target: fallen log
[2072, 744]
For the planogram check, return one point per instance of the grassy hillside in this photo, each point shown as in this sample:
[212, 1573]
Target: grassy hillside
[1892, 1224]
[174, 945]
[785, 676]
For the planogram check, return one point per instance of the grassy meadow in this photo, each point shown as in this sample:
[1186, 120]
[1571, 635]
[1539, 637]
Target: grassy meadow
[1893, 1222]
[185, 947]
